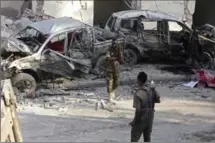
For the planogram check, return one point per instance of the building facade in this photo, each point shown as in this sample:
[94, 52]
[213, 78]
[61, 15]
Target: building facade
[79, 9]
[94, 12]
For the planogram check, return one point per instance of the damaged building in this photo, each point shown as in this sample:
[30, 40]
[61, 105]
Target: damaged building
[90, 11]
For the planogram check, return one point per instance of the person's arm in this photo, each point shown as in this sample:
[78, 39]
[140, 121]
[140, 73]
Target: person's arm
[157, 96]
[138, 109]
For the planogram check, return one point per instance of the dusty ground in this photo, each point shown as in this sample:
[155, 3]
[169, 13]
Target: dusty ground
[184, 115]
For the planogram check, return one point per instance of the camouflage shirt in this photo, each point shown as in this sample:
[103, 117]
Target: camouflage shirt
[113, 64]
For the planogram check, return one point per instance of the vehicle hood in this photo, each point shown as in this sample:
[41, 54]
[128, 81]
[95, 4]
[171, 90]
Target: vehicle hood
[14, 45]
[28, 62]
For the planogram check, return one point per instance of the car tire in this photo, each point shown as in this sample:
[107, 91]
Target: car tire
[100, 67]
[20, 79]
[130, 57]
[207, 59]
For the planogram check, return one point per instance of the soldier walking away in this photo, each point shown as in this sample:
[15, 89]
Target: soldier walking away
[114, 59]
[144, 102]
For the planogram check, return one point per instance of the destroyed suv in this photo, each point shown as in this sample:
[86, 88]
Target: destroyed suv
[156, 35]
[62, 46]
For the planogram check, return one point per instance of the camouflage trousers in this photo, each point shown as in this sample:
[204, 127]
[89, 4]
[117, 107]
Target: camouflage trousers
[112, 81]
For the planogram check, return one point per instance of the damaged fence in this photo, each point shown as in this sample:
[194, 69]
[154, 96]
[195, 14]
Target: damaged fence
[10, 128]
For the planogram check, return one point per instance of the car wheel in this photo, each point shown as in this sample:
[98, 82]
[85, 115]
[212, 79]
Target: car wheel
[101, 65]
[207, 59]
[25, 83]
[130, 57]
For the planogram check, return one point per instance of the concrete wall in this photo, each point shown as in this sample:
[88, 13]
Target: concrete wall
[55, 8]
[70, 8]
[176, 7]
[168, 6]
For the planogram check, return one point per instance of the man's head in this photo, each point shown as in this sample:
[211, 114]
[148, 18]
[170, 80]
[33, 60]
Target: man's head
[141, 78]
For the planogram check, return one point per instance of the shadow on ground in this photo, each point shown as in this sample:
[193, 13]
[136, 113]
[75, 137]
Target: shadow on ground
[175, 67]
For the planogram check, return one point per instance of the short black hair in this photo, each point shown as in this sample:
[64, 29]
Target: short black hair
[142, 77]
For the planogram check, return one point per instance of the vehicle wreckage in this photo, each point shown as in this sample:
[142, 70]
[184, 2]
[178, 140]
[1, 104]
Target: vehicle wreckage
[157, 35]
[62, 46]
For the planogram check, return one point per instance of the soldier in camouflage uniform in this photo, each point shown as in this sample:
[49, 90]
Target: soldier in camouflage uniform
[114, 59]
[144, 102]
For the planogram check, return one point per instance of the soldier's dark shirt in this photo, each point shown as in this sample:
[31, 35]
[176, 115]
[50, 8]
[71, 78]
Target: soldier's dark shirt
[140, 103]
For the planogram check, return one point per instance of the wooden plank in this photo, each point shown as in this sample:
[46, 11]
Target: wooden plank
[6, 92]
[10, 127]
[2, 111]
[6, 127]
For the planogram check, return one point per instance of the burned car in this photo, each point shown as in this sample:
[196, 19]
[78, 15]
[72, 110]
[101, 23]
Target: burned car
[207, 30]
[62, 46]
[157, 35]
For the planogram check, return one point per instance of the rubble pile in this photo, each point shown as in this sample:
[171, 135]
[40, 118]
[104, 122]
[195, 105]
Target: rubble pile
[36, 16]
[6, 26]
[9, 26]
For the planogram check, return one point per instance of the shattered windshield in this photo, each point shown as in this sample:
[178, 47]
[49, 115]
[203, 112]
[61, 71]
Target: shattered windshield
[31, 37]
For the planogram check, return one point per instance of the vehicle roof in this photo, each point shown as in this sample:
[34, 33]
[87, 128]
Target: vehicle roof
[148, 14]
[58, 24]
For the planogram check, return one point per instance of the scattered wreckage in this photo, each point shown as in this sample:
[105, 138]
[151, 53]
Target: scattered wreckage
[9, 26]
[36, 16]
[202, 78]
[154, 35]
[56, 47]
[205, 77]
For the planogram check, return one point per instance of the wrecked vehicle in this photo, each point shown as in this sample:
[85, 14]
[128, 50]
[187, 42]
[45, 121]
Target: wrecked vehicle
[207, 31]
[154, 35]
[62, 46]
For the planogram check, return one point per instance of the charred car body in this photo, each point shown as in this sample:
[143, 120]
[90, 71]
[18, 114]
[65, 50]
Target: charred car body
[156, 35]
[62, 46]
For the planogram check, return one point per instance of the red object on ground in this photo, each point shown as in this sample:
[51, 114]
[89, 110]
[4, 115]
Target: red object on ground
[205, 76]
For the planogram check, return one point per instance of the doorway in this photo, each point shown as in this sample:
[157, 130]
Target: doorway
[103, 9]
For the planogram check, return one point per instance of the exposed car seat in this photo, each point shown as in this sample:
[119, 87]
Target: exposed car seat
[69, 38]
[57, 46]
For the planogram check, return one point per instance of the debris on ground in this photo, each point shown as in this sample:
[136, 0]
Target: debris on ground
[51, 92]
[202, 78]
[205, 77]
[191, 84]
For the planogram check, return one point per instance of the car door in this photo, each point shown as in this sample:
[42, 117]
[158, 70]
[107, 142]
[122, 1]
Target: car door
[54, 58]
[175, 29]
[80, 50]
[150, 34]
[149, 38]
[176, 43]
